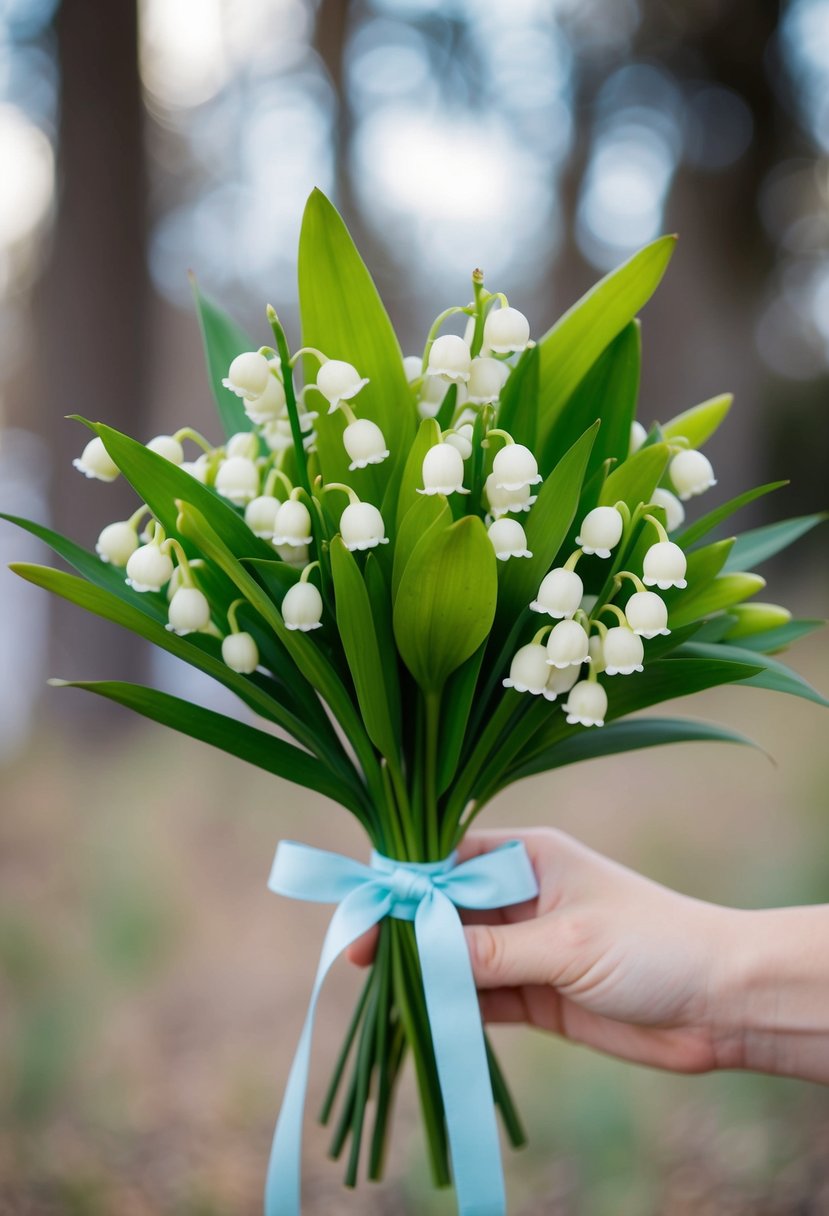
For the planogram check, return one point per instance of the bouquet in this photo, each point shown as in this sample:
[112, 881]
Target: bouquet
[430, 577]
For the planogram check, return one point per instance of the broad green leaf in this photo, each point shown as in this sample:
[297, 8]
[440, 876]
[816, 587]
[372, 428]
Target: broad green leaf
[428, 434]
[721, 592]
[700, 422]
[778, 639]
[518, 409]
[719, 515]
[381, 715]
[456, 704]
[608, 392]
[634, 481]
[427, 512]
[445, 603]
[223, 340]
[547, 525]
[772, 674]
[381, 614]
[255, 746]
[574, 343]
[626, 736]
[343, 315]
[757, 546]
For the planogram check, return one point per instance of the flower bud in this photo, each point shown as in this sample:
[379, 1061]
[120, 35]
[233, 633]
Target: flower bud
[664, 566]
[362, 527]
[515, 467]
[412, 367]
[673, 508]
[756, 618]
[238, 480]
[243, 443]
[95, 461]
[168, 447]
[567, 645]
[596, 651]
[601, 531]
[443, 470]
[501, 501]
[647, 614]
[196, 468]
[559, 680]
[638, 435]
[586, 704]
[117, 543]
[506, 330]
[450, 357]
[559, 594]
[338, 381]
[302, 607]
[189, 611]
[296, 556]
[528, 670]
[692, 473]
[508, 539]
[486, 379]
[623, 651]
[240, 653]
[461, 438]
[149, 568]
[432, 392]
[292, 524]
[260, 515]
[269, 405]
[364, 442]
[248, 375]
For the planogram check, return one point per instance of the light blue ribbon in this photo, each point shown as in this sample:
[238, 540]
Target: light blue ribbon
[429, 894]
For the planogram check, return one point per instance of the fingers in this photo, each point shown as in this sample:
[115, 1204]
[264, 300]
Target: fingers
[508, 956]
[361, 952]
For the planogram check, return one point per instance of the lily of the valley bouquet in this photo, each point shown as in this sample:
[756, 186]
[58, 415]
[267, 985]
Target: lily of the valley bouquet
[430, 577]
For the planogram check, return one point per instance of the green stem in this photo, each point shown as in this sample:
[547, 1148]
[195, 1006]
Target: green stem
[503, 1099]
[342, 1058]
[366, 1060]
[290, 399]
[432, 708]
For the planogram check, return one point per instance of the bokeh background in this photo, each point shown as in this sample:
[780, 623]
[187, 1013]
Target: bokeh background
[150, 990]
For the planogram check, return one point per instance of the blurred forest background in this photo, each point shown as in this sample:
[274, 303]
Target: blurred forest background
[151, 992]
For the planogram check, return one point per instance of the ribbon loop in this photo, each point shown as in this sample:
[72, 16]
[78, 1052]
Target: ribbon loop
[429, 894]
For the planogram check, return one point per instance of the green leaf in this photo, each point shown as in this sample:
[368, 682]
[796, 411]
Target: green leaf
[456, 705]
[223, 340]
[343, 315]
[255, 746]
[381, 613]
[757, 546]
[574, 343]
[778, 639]
[719, 515]
[626, 736]
[771, 674]
[634, 481]
[445, 603]
[700, 422]
[427, 512]
[427, 436]
[381, 714]
[518, 409]
[608, 392]
[720, 593]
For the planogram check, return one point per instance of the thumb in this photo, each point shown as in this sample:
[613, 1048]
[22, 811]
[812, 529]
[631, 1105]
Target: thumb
[507, 956]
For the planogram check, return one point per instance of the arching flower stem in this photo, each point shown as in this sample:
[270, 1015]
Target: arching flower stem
[187, 432]
[290, 398]
[617, 612]
[434, 331]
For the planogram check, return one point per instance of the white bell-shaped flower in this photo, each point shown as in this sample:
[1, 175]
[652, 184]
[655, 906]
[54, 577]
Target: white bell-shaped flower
[601, 531]
[238, 480]
[248, 375]
[117, 543]
[664, 566]
[486, 379]
[559, 594]
[149, 568]
[279, 437]
[297, 556]
[450, 357]
[302, 607]
[461, 438]
[240, 653]
[673, 508]
[647, 614]
[567, 645]
[292, 524]
[528, 670]
[508, 539]
[269, 405]
[638, 435]
[443, 470]
[95, 461]
[502, 501]
[432, 392]
[243, 443]
[189, 611]
[260, 515]
[506, 330]
[197, 468]
[559, 680]
[623, 651]
[362, 527]
[515, 468]
[167, 446]
[691, 473]
[339, 381]
[586, 704]
[364, 442]
[412, 367]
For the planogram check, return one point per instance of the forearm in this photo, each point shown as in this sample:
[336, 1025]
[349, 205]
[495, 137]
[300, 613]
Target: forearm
[770, 1002]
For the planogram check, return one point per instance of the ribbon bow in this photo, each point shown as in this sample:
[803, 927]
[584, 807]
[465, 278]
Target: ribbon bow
[428, 894]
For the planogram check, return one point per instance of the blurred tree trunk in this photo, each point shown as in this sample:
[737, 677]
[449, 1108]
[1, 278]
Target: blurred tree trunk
[95, 298]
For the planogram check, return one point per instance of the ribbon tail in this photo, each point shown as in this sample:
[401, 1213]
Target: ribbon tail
[460, 1053]
[361, 909]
